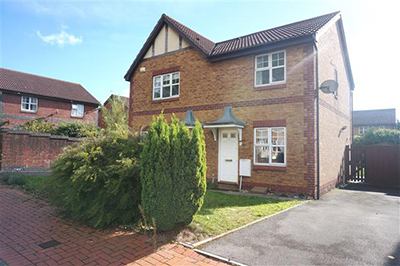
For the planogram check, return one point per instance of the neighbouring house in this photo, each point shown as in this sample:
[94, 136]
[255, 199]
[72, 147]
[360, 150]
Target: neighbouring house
[364, 120]
[108, 106]
[27, 97]
[256, 97]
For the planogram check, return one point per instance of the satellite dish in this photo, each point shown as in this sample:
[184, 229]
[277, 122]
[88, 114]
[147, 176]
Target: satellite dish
[329, 86]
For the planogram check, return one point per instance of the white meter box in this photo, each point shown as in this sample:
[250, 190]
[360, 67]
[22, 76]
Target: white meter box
[245, 167]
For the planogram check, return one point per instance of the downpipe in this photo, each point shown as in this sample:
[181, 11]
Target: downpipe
[317, 117]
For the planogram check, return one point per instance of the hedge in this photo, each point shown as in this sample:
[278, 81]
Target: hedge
[374, 136]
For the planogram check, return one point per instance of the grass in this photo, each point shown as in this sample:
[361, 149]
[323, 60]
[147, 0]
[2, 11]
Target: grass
[35, 184]
[223, 212]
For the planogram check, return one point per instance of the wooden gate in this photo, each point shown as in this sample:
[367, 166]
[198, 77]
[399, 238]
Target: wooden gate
[377, 165]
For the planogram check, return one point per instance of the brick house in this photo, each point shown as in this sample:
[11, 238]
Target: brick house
[364, 120]
[108, 106]
[27, 97]
[256, 97]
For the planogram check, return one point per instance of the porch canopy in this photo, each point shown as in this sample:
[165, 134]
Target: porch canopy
[189, 119]
[228, 120]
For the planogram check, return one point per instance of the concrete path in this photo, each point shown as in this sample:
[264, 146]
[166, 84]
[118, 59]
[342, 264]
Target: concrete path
[345, 227]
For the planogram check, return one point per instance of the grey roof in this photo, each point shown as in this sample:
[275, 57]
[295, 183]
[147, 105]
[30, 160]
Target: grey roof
[227, 119]
[374, 117]
[189, 120]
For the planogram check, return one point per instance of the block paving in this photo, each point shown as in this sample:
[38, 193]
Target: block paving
[26, 222]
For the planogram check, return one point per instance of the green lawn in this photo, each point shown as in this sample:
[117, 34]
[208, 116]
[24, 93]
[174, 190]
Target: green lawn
[31, 183]
[222, 212]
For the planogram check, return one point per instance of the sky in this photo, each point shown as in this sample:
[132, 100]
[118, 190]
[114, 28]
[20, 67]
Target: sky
[94, 42]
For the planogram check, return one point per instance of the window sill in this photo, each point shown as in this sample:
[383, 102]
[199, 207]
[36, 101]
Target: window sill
[80, 117]
[165, 100]
[269, 168]
[28, 112]
[270, 87]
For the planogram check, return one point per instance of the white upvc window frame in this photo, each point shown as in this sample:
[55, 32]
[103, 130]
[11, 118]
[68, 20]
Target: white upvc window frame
[32, 101]
[161, 86]
[270, 145]
[270, 68]
[78, 115]
[363, 129]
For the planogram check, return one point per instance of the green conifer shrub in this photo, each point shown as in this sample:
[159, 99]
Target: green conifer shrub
[173, 173]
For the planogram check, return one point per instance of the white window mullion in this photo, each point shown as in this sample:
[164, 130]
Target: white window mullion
[270, 145]
[170, 85]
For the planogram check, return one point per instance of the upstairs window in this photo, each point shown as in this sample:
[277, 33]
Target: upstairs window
[166, 86]
[29, 104]
[77, 110]
[363, 130]
[270, 68]
[270, 146]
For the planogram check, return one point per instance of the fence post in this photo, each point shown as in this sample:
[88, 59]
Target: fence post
[346, 163]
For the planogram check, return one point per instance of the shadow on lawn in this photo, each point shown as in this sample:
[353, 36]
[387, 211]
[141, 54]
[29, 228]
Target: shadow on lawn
[216, 200]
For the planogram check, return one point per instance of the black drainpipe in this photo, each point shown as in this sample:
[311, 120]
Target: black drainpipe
[317, 115]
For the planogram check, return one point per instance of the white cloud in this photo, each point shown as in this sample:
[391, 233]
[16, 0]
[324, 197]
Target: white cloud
[61, 39]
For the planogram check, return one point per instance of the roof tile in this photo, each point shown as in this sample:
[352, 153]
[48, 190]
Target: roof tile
[290, 31]
[16, 81]
[374, 117]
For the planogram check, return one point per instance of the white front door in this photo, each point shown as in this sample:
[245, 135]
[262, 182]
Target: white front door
[228, 155]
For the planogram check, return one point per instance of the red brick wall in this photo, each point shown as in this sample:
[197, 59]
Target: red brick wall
[335, 112]
[207, 87]
[24, 151]
[11, 108]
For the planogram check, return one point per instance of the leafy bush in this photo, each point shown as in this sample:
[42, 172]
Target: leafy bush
[373, 136]
[74, 129]
[98, 180]
[173, 173]
[42, 126]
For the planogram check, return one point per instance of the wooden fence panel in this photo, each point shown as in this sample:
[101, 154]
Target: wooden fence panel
[383, 165]
[357, 163]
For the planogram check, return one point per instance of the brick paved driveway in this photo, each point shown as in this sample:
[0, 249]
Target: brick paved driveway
[26, 222]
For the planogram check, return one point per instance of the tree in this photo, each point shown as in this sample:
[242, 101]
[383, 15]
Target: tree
[115, 118]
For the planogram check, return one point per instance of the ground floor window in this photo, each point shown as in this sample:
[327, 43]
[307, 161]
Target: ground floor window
[270, 146]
